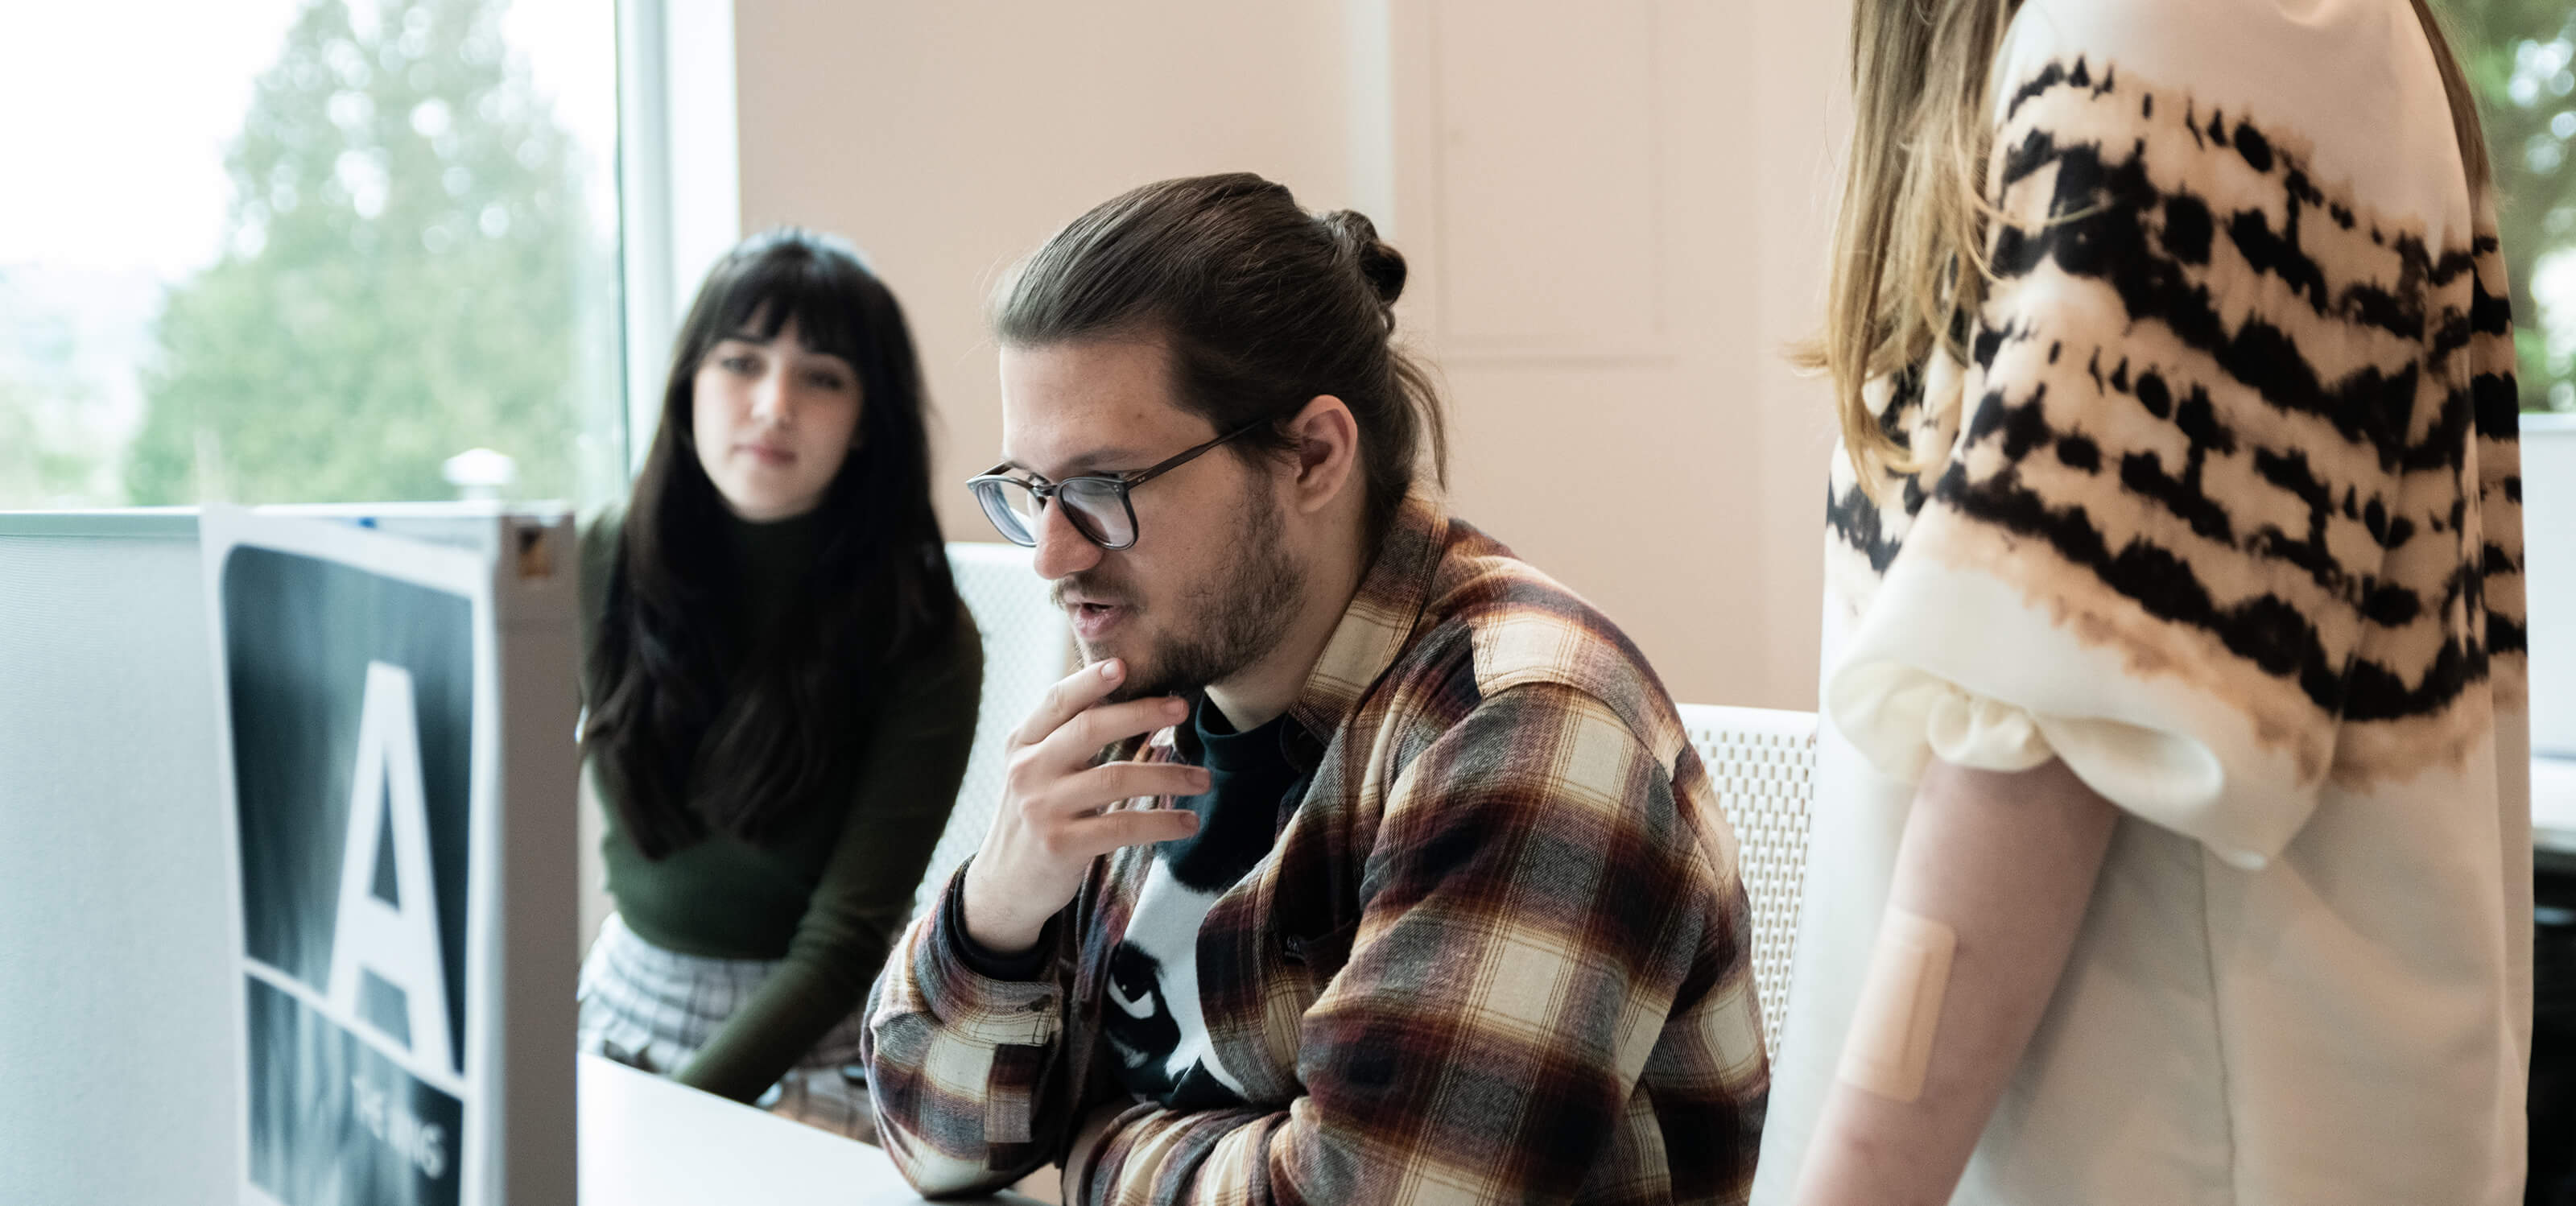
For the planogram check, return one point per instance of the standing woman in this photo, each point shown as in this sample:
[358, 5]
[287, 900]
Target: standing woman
[781, 687]
[2173, 843]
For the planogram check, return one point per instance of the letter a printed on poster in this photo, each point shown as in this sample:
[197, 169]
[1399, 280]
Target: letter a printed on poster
[396, 942]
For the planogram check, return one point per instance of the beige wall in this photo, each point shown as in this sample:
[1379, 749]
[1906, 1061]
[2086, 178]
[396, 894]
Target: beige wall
[1615, 213]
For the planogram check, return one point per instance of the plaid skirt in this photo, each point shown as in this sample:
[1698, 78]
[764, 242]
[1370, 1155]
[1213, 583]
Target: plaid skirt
[653, 1009]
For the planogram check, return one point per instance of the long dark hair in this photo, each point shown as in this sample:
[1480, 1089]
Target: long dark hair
[685, 729]
[1263, 306]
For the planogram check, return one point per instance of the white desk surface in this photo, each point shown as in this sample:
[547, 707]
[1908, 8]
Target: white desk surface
[646, 1141]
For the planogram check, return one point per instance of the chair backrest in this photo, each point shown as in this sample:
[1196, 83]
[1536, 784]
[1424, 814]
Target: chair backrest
[1762, 764]
[1027, 647]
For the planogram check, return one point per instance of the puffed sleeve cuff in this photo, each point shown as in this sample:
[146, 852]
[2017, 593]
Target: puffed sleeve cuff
[1959, 668]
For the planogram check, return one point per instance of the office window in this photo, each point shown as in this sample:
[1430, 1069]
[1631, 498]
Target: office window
[308, 250]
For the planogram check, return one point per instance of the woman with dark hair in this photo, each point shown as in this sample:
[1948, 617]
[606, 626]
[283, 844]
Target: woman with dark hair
[781, 687]
[2173, 833]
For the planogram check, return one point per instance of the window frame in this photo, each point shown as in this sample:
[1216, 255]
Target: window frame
[679, 169]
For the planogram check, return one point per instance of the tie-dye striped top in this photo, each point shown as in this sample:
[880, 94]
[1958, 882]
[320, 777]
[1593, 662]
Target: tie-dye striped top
[2222, 511]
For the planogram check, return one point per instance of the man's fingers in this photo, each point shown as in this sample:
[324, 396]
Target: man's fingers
[1080, 738]
[1102, 786]
[1112, 830]
[1068, 697]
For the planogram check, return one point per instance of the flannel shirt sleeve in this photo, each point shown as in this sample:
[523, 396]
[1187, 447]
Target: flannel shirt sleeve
[1532, 914]
[961, 1066]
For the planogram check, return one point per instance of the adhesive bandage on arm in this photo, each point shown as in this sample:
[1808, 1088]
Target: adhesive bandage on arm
[1890, 1043]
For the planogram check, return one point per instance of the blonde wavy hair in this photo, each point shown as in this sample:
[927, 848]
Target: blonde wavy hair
[1910, 238]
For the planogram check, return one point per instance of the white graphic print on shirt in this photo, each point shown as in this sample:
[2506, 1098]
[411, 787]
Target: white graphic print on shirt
[1152, 1015]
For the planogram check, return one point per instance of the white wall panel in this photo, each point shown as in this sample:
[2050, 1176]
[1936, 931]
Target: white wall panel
[1619, 215]
[1546, 179]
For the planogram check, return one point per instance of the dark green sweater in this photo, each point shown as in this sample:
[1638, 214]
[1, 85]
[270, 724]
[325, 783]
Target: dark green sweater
[830, 895]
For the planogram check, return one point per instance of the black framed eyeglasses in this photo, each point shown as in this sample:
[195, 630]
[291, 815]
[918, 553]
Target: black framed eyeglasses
[1096, 503]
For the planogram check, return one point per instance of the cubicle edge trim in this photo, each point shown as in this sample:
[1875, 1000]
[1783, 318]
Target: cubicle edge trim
[142, 523]
[163, 523]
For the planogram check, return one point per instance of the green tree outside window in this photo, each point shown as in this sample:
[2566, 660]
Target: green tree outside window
[408, 274]
[2521, 60]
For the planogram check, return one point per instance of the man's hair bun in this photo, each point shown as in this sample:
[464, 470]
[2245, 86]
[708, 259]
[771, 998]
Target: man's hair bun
[1380, 265]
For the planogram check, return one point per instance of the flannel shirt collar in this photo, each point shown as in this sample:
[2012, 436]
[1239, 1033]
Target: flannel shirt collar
[1379, 621]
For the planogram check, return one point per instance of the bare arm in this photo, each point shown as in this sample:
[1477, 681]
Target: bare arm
[2007, 860]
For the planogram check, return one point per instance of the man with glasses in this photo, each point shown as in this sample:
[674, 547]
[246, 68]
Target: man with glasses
[1361, 862]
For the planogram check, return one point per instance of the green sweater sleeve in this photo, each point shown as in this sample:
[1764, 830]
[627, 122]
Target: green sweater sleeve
[916, 758]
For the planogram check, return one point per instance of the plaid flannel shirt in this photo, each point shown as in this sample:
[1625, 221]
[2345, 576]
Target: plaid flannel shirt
[1498, 952]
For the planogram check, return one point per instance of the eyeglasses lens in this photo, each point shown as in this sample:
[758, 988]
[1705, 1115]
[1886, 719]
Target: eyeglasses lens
[1012, 508]
[1096, 508]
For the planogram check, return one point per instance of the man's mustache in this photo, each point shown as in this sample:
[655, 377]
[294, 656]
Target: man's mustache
[1092, 589]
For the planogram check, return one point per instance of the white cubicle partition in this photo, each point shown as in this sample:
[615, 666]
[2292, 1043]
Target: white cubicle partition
[116, 1032]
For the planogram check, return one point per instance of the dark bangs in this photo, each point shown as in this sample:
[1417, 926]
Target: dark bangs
[771, 290]
[814, 280]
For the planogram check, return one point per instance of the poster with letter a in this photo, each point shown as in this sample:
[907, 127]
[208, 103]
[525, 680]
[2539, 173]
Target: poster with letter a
[398, 936]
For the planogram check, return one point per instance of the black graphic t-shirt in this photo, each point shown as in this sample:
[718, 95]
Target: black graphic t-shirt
[1151, 1014]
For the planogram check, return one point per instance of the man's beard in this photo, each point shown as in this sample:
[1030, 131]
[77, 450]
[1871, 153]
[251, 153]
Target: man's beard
[1223, 624]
